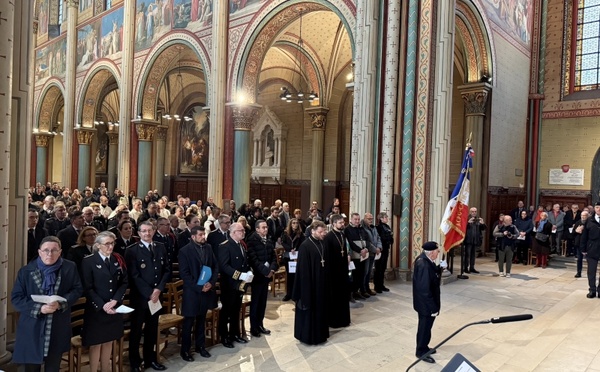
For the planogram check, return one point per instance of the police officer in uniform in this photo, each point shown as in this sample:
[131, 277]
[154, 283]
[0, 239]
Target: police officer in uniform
[149, 273]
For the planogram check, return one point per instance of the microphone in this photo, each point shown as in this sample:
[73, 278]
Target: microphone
[511, 318]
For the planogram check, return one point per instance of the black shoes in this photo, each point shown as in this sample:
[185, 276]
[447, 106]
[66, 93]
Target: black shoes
[365, 295]
[240, 340]
[187, 357]
[203, 352]
[286, 298]
[474, 271]
[352, 300]
[264, 330]
[255, 333]
[227, 343]
[578, 275]
[590, 294]
[372, 293]
[378, 291]
[157, 366]
[385, 289]
[429, 359]
[358, 296]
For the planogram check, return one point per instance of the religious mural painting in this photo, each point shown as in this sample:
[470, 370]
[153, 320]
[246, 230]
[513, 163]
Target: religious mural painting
[111, 41]
[200, 15]
[193, 140]
[51, 60]
[88, 42]
[43, 17]
[152, 20]
[243, 6]
[101, 159]
[512, 16]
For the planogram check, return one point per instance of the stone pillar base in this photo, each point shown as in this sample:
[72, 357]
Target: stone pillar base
[403, 275]
[5, 359]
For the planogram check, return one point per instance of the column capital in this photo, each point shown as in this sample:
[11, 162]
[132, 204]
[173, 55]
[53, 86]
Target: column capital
[42, 139]
[146, 129]
[72, 3]
[161, 133]
[36, 24]
[244, 115]
[318, 117]
[475, 96]
[85, 135]
[113, 138]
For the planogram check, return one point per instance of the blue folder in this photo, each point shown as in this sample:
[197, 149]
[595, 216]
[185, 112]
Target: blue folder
[205, 275]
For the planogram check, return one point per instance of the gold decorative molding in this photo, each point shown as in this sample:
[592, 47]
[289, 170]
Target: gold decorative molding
[42, 140]
[113, 138]
[84, 136]
[145, 131]
[318, 117]
[244, 116]
[36, 24]
[161, 133]
[475, 97]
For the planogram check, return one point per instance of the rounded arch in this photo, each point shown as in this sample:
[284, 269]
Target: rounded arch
[93, 84]
[50, 95]
[267, 25]
[473, 36]
[156, 65]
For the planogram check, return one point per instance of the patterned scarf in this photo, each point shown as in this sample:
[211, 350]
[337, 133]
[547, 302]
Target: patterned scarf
[49, 274]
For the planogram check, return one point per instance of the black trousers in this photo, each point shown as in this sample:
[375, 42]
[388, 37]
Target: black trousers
[289, 279]
[260, 291]
[197, 323]
[424, 333]
[358, 275]
[141, 318]
[592, 267]
[522, 249]
[468, 257]
[229, 317]
[51, 364]
[380, 266]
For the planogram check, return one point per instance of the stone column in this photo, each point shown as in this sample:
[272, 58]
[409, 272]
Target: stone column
[72, 7]
[145, 132]
[7, 18]
[41, 164]
[244, 118]
[318, 120]
[365, 94]
[475, 96]
[125, 98]
[84, 139]
[113, 148]
[218, 97]
[160, 140]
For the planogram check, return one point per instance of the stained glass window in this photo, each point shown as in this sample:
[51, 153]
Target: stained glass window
[587, 47]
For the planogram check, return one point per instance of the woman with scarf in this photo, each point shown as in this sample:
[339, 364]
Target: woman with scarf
[105, 282]
[541, 243]
[44, 329]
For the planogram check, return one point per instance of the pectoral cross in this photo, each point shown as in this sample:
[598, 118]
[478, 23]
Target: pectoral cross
[322, 262]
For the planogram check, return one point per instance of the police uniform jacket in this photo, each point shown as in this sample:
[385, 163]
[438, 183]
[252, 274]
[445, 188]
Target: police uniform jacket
[232, 263]
[148, 270]
[103, 283]
[590, 238]
[261, 256]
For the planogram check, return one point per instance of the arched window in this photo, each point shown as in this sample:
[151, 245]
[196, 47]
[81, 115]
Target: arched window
[586, 38]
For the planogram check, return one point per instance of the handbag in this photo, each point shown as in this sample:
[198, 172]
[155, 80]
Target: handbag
[541, 236]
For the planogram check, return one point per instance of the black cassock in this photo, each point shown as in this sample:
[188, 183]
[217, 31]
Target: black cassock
[338, 307]
[310, 292]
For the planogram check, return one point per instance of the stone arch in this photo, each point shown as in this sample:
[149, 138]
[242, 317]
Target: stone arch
[474, 37]
[156, 66]
[51, 93]
[93, 85]
[267, 24]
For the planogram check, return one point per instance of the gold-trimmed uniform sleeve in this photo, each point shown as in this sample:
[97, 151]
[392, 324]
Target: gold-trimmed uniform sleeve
[236, 275]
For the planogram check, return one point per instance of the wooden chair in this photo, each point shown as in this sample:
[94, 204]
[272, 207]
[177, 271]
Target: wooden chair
[76, 352]
[211, 325]
[531, 257]
[279, 277]
[244, 313]
[171, 317]
[175, 271]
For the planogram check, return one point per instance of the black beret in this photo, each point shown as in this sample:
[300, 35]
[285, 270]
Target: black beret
[430, 246]
[597, 203]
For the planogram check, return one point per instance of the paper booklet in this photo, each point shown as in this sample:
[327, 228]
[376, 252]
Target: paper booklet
[44, 299]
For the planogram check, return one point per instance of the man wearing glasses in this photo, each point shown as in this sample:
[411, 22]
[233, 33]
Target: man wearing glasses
[219, 235]
[149, 273]
[44, 330]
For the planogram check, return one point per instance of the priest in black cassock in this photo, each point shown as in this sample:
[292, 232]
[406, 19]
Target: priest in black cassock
[338, 308]
[311, 288]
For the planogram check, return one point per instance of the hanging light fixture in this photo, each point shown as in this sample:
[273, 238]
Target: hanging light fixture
[301, 96]
[179, 83]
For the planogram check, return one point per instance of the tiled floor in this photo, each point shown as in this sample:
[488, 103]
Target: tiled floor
[564, 334]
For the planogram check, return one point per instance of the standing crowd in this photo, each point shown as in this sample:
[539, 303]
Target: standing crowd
[109, 247]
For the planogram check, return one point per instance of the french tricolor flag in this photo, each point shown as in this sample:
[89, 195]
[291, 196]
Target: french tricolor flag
[456, 216]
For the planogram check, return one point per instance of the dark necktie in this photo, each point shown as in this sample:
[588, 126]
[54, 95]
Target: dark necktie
[126, 242]
[32, 233]
[107, 262]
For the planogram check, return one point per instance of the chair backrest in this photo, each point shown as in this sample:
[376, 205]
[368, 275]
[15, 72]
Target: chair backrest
[175, 271]
[279, 253]
[77, 310]
[176, 293]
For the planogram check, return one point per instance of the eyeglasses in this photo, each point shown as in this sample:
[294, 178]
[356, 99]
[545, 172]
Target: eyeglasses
[108, 244]
[89, 235]
[146, 231]
[49, 251]
[239, 230]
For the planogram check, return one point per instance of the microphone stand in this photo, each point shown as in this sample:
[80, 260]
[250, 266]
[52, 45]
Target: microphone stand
[432, 350]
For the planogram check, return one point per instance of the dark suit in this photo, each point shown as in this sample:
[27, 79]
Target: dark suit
[275, 228]
[590, 247]
[54, 225]
[184, 238]
[102, 283]
[262, 260]
[570, 220]
[170, 244]
[215, 238]
[196, 303]
[149, 269]
[76, 254]
[426, 299]
[34, 238]
[68, 238]
[232, 263]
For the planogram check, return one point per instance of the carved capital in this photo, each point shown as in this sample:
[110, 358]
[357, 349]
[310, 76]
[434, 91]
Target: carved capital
[475, 97]
[244, 116]
[145, 131]
[42, 140]
[161, 133]
[113, 138]
[85, 135]
[72, 3]
[318, 117]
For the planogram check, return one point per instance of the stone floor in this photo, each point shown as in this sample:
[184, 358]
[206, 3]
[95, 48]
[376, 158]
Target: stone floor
[564, 334]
